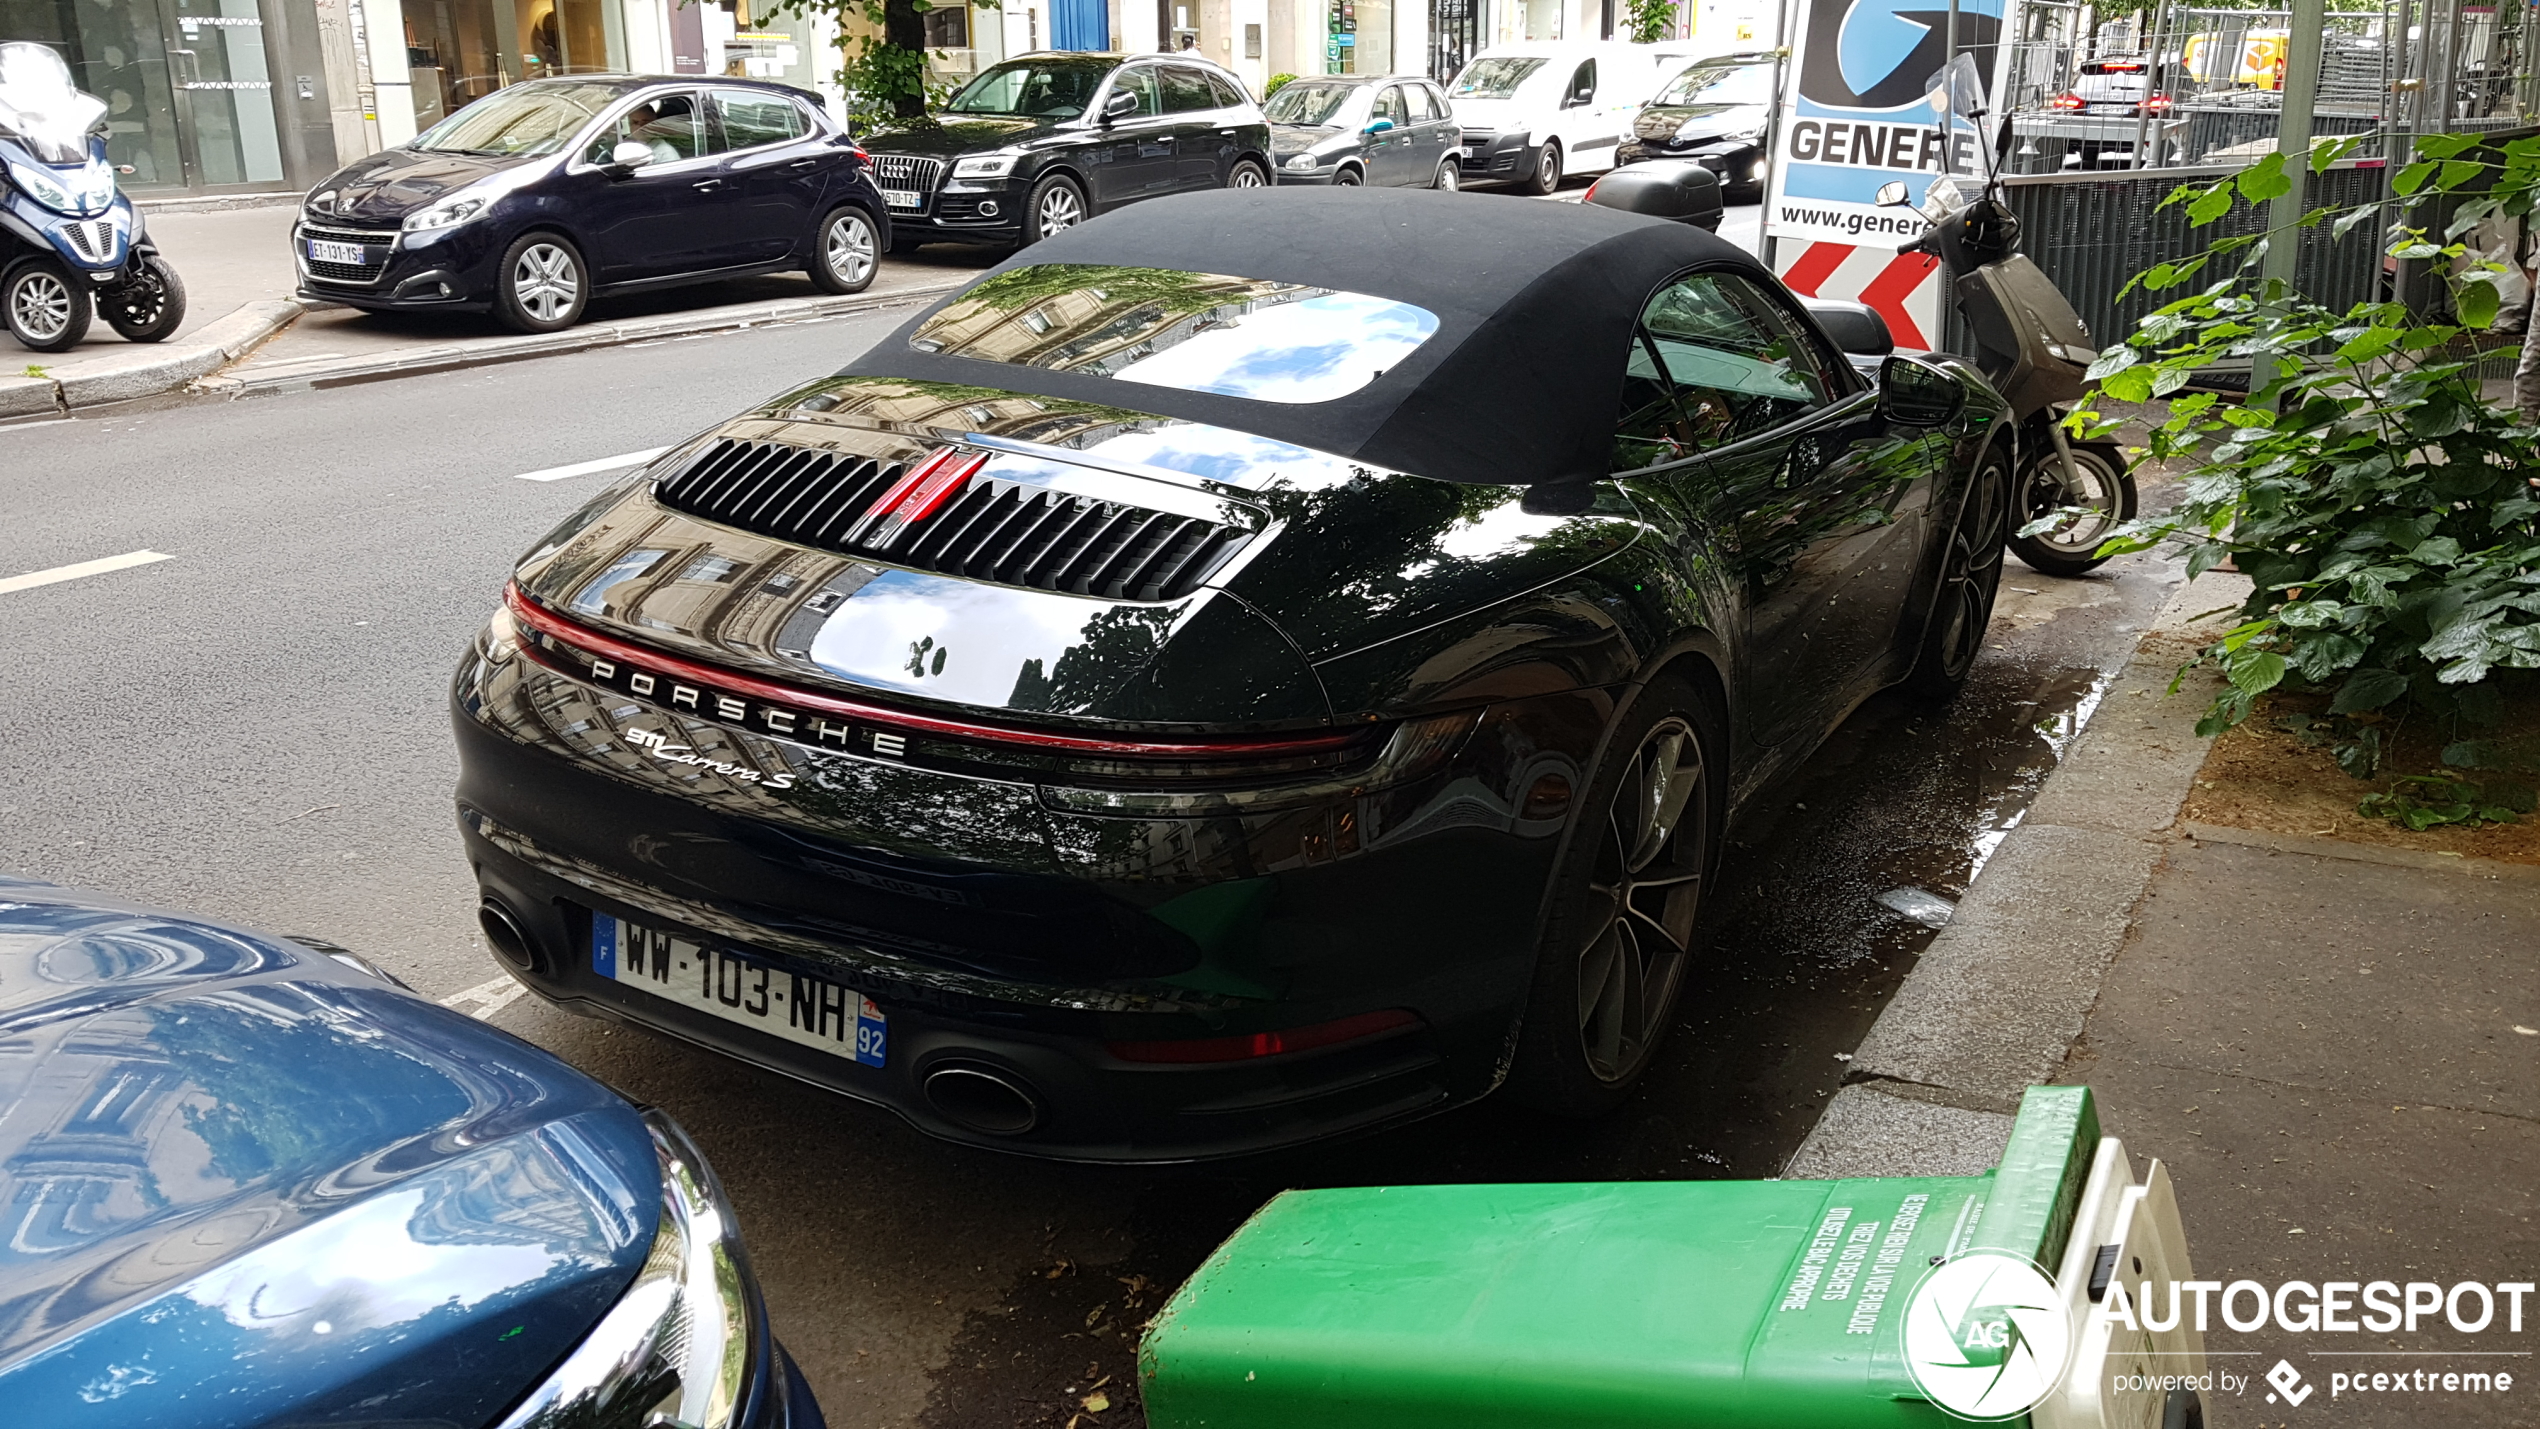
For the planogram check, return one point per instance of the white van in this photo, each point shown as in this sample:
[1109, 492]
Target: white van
[1535, 110]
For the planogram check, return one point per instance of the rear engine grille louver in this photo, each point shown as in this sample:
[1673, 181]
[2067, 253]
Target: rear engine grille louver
[792, 493]
[992, 530]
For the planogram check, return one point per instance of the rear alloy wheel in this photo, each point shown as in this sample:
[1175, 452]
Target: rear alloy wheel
[1545, 177]
[1247, 175]
[47, 310]
[1620, 937]
[846, 252]
[1450, 177]
[1057, 205]
[541, 286]
[149, 307]
[1970, 577]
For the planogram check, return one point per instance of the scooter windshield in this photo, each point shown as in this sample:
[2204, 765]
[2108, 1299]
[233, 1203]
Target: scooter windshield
[41, 108]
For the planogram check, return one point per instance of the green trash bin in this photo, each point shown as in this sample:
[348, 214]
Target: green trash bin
[1678, 1303]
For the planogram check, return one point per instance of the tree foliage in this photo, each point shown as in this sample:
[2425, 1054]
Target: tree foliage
[884, 70]
[2384, 511]
[1646, 22]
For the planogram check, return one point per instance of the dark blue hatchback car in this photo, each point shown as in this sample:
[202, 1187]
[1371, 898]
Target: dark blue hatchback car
[251, 1182]
[534, 198]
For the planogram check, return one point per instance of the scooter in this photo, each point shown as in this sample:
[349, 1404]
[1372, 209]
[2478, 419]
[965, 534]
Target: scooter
[71, 246]
[2034, 349]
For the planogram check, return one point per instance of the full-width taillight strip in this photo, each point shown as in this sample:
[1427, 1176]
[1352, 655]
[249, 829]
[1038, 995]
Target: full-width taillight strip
[537, 617]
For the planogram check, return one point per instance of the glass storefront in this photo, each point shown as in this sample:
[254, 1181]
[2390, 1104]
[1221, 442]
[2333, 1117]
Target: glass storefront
[189, 87]
[1358, 37]
[463, 50]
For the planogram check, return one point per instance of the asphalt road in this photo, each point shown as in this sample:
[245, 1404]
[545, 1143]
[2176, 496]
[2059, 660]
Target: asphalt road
[254, 729]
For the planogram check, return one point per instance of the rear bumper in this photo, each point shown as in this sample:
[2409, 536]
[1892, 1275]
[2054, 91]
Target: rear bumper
[999, 935]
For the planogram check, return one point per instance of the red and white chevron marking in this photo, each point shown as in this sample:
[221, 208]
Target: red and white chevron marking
[1902, 287]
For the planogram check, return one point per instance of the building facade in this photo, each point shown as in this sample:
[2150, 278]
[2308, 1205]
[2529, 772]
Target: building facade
[238, 96]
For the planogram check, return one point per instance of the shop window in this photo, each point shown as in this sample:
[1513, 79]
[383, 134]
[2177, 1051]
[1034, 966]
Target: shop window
[948, 27]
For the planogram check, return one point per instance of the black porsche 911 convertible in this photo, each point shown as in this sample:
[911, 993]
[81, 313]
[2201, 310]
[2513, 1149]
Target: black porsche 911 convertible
[1264, 667]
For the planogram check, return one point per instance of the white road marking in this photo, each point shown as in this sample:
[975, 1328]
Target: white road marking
[492, 996]
[587, 468]
[126, 561]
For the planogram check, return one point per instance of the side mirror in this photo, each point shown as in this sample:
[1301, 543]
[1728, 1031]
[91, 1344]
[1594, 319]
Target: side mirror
[1120, 105]
[1916, 393]
[628, 156]
[1891, 194]
[1857, 328]
[1377, 126]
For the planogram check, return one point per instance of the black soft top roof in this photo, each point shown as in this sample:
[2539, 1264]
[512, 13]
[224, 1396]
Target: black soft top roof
[1521, 383]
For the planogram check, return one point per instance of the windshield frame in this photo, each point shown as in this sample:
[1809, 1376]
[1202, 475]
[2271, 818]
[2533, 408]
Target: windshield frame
[1101, 87]
[611, 96]
[1668, 98]
[1527, 66]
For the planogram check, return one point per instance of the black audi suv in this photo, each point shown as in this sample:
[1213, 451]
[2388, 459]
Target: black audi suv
[1041, 143]
[533, 199]
[1212, 684]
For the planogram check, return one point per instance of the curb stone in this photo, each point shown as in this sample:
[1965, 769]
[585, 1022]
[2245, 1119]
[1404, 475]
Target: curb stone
[415, 362]
[145, 369]
[1998, 999]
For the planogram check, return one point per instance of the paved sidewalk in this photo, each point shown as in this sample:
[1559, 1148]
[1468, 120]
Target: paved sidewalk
[2334, 1047]
[2321, 1042]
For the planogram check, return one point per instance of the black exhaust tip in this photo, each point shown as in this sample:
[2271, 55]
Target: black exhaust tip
[504, 935]
[983, 1099]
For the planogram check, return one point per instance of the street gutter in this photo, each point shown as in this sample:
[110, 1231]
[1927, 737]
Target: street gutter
[338, 371]
[144, 369]
[1997, 1000]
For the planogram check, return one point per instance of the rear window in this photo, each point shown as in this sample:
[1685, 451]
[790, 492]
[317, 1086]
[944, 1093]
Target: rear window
[1200, 332]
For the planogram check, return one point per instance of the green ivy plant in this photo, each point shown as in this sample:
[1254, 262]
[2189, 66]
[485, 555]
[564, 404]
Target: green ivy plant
[1277, 82]
[2383, 510]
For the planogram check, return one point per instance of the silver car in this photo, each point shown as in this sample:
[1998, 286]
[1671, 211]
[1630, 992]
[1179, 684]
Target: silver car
[1348, 129]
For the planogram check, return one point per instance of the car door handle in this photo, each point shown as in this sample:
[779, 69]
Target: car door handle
[802, 163]
[704, 184]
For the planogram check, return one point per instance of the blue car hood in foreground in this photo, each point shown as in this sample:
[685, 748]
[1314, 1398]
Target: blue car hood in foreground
[244, 1183]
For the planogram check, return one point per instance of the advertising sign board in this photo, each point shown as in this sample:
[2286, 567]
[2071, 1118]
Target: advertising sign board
[1855, 118]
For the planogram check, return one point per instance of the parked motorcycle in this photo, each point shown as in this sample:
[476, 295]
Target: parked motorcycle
[71, 246]
[2034, 349]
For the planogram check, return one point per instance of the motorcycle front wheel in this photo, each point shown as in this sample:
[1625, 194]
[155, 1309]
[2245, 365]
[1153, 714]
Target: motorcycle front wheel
[148, 308]
[47, 308]
[2102, 488]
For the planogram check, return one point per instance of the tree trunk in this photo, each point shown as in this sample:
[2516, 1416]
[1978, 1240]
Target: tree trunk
[904, 28]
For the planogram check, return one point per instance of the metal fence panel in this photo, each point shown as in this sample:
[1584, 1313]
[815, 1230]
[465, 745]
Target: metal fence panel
[2093, 233]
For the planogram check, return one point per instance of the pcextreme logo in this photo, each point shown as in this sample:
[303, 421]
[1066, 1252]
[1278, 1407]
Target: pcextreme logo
[1986, 1336]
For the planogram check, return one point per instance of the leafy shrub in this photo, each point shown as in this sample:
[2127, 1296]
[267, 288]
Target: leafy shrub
[1277, 82]
[2383, 510]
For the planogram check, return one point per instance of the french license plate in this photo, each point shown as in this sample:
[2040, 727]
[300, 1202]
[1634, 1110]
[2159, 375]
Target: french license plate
[795, 1006]
[903, 198]
[322, 251]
